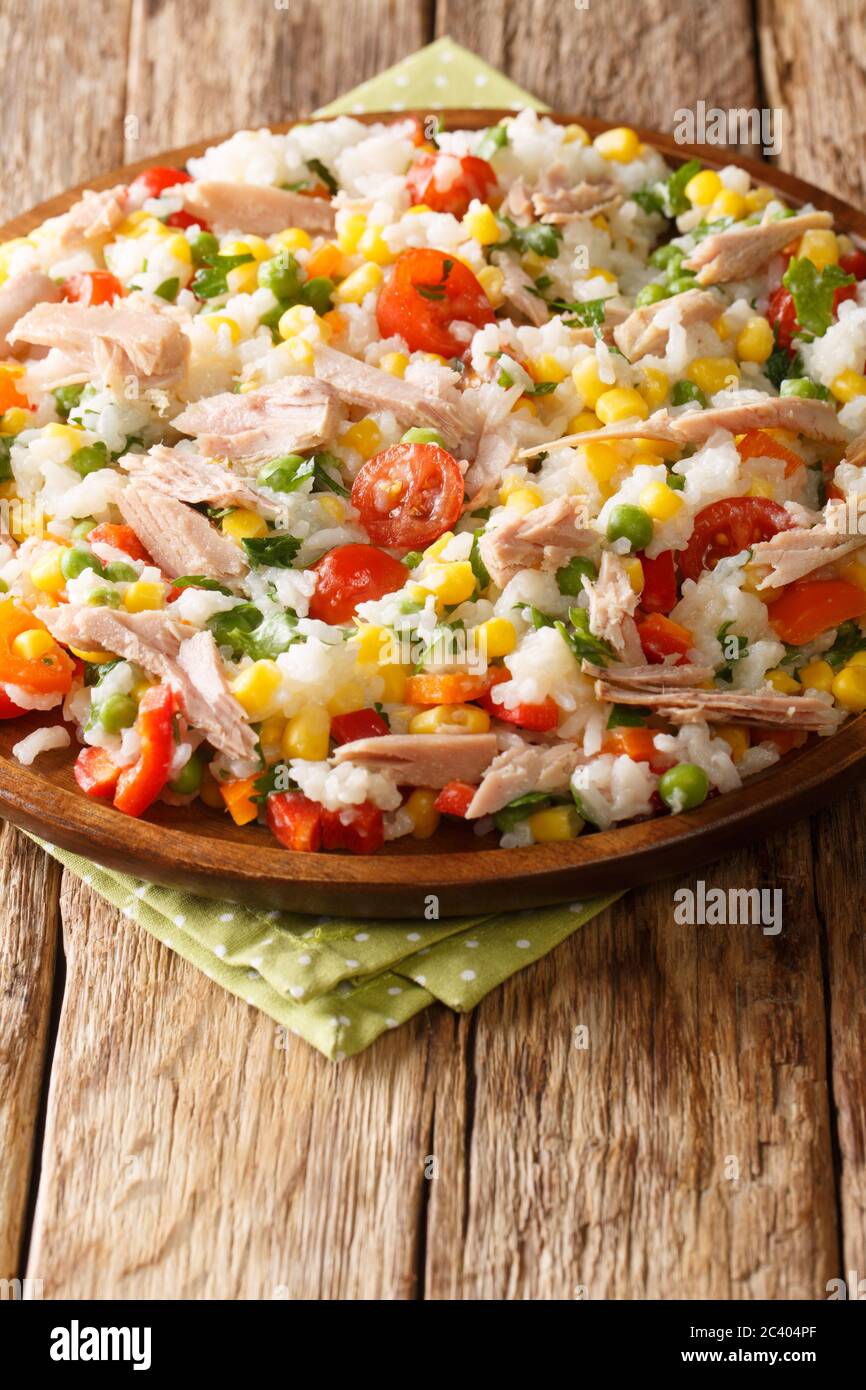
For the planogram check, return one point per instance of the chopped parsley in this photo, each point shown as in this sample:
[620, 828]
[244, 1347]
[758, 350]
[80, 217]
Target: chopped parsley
[668, 197]
[278, 550]
[813, 292]
[583, 644]
[323, 172]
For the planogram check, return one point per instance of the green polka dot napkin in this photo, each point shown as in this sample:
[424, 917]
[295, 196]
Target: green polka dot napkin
[337, 983]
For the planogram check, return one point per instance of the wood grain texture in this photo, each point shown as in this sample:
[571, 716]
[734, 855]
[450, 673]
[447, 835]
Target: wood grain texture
[29, 883]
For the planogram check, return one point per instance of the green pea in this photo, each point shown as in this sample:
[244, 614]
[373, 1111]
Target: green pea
[119, 572]
[188, 780]
[204, 248]
[675, 481]
[569, 576]
[685, 391]
[104, 598]
[76, 561]
[90, 459]
[272, 318]
[281, 474]
[650, 294]
[83, 527]
[805, 387]
[681, 283]
[117, 712]
[665, 256]
[281, 275]
[683, 787]
[6, 442]
[630, 523]
[317, 293]
[423, 436]
[66, 398]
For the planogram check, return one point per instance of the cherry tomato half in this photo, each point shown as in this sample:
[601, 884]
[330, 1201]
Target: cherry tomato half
[782, 314]
[659, 592]
[854, 263]
[661, 637]
[182, 220]
[151, 182]
[408, 495]
[449, 182]
[809, 608]
[426, 294]
[353, 574]
[729, 526]
[92, 287]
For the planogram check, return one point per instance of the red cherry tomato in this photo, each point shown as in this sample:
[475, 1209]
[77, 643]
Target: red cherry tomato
[359, 829]
[454, 798]
[842, 293]
[427, 293]
[809, 608]
[659, 592]
[96, 772]
[729, 526]
[449, 182]
[8, 708]
[92, 287]
[408, 495]
[182, 220]
[353, 574]
[661, 637]
[151, 182]
[295, 820]
[782, 314]
[854, 263]
[361, 723]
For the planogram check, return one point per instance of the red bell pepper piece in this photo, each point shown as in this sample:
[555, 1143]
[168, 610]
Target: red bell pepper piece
[454, 798]
[359, 829]
[295, 820]
[540, 717]
[659, 592]
[661, 637]
[96, 772]
[139, 785]
[122, 538]
[361, 723]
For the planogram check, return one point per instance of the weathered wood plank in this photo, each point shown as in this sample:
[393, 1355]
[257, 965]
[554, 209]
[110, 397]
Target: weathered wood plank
[29, 883]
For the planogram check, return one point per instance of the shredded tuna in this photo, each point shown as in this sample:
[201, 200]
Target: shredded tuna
[518, 205]
[683, 706]
[741, 252]
[293, 413]
[494, 452]
[180, 540]
[360, 384]
[109, 340]
[523, 768]
[545, 539]
[256, 208]
[802, 550]
[555, 201]
[519, 291]
[95, 214]
[423, 760]
[18, 295]
[641, 334]
[650, 676]
[190, 478]
[212, 707]
[856, 451]
[612, 601]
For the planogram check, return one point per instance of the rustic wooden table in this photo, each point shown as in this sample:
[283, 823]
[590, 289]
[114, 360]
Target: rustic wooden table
[710, 1141]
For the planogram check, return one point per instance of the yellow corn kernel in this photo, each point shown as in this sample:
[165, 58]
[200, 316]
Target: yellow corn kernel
[481, 224]
[523, 500]
[352, 228]
[492, 281]
[854, 573]
[143, 595]
[555, 824]
[46, 574]
[761, 487]
[635, 574]
[299, 319]
[358, 285]
[335, 321]
[584, 420]
[527, 405]
[70, 434]
[364, 437]
[818, 675]
[599, 272]
[587, 381]
[622, 144]
[33, 644]
[498, 637]
[218, 321]
[394, 678]
[849, 689]
[547, 368]
[451, 582]
[244, 279]
[373, 247]
[395, 363]
[781, 681]
[14, 420]
[660, 501]
[602, 460]
[435, 357]
[299, 351]
[601, 222]
[420, 806]
[858, 659]
[256, 688]
[758, 198]
[574, 134]
[243, 525]
[848, 384]
[703, 188]
[469, 718]
[348, 697]
[736, 737]
[417, 208]
[138, 223]
[654, 387]
[292, 239]
[271, 738]
[729, 203]
[621, 403]
[93, 658]
[307, 734]
[178, 247]
[434, 551]
[755, 340]
[333, 507]
[368, 640]
[845, 244]
[820, 247]
[713, 374]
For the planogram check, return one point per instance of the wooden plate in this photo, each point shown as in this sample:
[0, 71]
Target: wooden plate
[202, 851]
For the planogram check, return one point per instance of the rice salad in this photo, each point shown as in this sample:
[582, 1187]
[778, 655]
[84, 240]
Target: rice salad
[373, 473]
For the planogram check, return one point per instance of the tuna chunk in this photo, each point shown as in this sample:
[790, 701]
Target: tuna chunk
[163, 648]
[293, 413]
[650, 677]
[612, 601]
[18, 296]
[856, 451]
[802, 550]
[741, 252]
[422, 760]
[685, 706]
[180, 540]
[545, 539]
[360, 384]
[256, 208]
[556, 201]
[521, 768]
[641, 334]
[94, 215]
[188, 477]
[109, 340]
[494, 452]
[518, 205]
[519, 291]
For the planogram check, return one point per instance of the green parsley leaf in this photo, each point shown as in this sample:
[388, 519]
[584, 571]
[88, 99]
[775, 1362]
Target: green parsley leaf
[278, 550]
[317, 167]
[492, 140]
[813, 292]
[583, 644]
